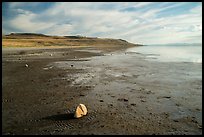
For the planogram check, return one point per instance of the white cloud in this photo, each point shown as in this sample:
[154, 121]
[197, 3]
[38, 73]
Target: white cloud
[25, 22]
[109, 20]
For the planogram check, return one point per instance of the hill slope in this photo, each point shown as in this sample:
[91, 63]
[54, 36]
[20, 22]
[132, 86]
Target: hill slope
[41, 40]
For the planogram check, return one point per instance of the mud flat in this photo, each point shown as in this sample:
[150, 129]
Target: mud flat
[124, 93]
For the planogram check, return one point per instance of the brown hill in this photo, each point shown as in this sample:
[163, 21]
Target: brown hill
[41, 40]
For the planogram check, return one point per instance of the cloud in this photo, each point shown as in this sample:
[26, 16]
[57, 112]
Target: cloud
[25, 22]
[143, 22]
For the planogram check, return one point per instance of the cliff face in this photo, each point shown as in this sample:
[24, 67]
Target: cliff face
[39, 40]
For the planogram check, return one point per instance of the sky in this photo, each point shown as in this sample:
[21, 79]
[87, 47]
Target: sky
[136, 22]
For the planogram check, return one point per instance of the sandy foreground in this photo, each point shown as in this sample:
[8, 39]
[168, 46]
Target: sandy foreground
[124, 93]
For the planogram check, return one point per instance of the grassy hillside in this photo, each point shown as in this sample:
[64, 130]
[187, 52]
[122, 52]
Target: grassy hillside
[41, 40]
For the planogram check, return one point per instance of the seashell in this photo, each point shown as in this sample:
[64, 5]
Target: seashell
[26, 65]
[81, 110]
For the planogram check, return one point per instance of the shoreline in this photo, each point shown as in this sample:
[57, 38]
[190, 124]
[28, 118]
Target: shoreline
[124, 93]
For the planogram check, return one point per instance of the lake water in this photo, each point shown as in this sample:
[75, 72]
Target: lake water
[171, 53]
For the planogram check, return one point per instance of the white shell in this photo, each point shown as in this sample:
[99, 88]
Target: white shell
[26, 65]
[81, 110]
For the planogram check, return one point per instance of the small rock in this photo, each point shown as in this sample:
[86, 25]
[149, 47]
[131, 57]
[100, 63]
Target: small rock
[133, 104]
[163, 97]
[141, 89]
[101, 100]
[26, 65]
[166, 97]
[194, 121]
[72, 65]
[149, 92]
[51, 55]
[199, 126]
[142, 100]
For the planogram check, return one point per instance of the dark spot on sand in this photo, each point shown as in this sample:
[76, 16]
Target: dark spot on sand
[59, 117]
[56, 85]
[178, 104]
[163, 97]
[133, 104]
[123, 99]
[197, 109]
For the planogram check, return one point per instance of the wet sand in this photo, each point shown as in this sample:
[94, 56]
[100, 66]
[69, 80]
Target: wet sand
[124, 93]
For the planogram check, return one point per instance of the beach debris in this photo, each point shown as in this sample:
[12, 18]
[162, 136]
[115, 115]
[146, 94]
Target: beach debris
[26, 65]
[51, 55]
[72, 65]
[81, 110]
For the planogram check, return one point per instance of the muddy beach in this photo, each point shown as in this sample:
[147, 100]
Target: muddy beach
[124, 93]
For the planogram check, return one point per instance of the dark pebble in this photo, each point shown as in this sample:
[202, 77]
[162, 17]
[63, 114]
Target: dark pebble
[133, 104]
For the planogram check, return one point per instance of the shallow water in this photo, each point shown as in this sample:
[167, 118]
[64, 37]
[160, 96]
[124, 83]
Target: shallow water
[171, 53]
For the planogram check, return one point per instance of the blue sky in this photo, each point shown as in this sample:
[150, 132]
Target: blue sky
[137, 22]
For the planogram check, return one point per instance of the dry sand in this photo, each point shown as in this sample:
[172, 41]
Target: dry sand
[123, 92]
